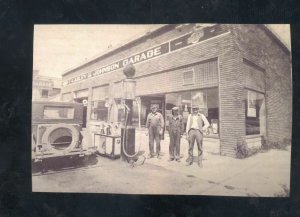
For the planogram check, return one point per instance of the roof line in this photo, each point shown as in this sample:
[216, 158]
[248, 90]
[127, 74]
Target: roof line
[119, 47]
[274, 36]
[149, 34]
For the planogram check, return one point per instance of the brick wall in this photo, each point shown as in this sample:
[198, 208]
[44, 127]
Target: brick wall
[164, 74]
[192, 54]
[255, 45]
[131, 50]
[206, 75]
[231, 107]
[253, 78]
[226, 55]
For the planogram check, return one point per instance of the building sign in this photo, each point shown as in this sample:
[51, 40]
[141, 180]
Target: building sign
[195, 37]
[167, 47]
[146, 55]
[140, 57]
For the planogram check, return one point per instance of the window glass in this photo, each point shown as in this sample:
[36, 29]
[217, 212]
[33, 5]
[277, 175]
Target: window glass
[207, 99]
[188, 77]
[134, 112]
[255, 113]
[44, 93]
[99, 110]
[145, 103]
[53, 112]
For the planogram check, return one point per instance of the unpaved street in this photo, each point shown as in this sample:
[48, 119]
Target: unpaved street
[264, 174]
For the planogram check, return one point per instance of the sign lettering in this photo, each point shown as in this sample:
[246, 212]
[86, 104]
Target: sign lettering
[159, 50]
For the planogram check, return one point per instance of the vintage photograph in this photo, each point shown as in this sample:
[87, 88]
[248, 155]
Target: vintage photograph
[169, 109]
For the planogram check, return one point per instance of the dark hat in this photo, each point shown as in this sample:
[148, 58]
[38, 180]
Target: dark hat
[175, 108]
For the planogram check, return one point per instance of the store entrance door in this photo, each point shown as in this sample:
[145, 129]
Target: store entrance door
[84, 115]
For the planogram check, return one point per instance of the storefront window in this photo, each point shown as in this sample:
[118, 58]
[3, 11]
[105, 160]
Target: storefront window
[45, 93]
[100, 104]
[206, 99]
[255, 113]
[99, 110]
[144, 103]
[135, 113]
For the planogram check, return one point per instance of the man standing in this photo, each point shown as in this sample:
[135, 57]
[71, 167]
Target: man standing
[175, 132]
[196, 125]
[154, 124]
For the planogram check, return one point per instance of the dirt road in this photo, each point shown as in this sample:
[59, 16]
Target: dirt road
[265, 174]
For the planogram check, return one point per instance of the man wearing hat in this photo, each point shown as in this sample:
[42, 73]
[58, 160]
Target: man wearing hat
[175, 132]
[196, 125]
[155, 124]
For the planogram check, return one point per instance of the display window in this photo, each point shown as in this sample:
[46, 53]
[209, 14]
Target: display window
[255, 113]
[206, 99]
[99, 110]
[100, 105]
[144, 102]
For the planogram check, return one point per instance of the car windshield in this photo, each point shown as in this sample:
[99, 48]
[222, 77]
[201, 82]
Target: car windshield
[55, 112]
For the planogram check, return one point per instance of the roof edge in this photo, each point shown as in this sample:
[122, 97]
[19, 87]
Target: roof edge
[129, 43]
[271, 34]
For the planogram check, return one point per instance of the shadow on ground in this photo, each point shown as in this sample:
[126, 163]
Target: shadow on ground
[62, 163]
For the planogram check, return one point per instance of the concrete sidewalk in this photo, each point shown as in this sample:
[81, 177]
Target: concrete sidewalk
[264, 174]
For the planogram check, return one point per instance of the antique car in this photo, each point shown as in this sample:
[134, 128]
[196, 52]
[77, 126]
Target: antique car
[56, 131]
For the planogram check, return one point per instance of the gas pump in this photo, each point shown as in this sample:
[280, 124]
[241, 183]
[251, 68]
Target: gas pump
[128, 131]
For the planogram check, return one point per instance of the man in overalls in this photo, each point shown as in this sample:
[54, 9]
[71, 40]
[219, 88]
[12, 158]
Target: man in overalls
[175, 129]
[154, 124]
[197, 124]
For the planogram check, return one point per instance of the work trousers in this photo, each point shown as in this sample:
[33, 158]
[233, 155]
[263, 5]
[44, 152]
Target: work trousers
[174, 147]
[154, 135]
[198, 136]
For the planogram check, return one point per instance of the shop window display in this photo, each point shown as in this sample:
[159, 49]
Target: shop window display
[99, 110]
[121, 112]
[144, 103]
[255, 113]
[207, 99]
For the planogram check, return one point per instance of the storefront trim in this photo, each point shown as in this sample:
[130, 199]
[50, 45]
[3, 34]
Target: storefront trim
[258, 91]
[163, 93]
[251, 63]
[193, 79]
[87, 75]
[176, 68]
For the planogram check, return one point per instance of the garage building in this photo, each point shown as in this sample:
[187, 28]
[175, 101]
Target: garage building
[239, 74]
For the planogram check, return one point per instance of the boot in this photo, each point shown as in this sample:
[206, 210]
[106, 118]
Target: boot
[200, 161]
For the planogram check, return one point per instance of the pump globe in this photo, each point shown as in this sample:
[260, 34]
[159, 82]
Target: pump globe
[129, 70]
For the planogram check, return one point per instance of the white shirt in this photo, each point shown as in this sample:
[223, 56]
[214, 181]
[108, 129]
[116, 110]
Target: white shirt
[195, 123]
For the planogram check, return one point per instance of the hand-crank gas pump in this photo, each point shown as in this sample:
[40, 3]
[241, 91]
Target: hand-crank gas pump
[128, 131]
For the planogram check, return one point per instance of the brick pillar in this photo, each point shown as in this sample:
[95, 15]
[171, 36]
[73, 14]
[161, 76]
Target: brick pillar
[231, 106]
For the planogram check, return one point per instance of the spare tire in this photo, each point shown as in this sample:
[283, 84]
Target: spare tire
[72, 129]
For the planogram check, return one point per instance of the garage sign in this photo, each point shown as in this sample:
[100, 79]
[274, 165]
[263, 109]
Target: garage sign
[167, 47]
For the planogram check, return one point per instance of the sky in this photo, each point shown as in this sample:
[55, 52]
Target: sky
[58, 48]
